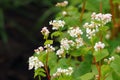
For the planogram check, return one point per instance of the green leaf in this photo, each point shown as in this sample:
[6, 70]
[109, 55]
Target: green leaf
[105, 69]
[40, 72]
[99, 55]
[42, 57]
[81, 69]
[52, 62]
[116, 1]
[56, 33]
[115, 76]
[116, 64]
[87, 76]
[80, 51]
[48, 42]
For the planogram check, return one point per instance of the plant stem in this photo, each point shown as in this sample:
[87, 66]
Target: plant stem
[83, 8]
[39, 77]
[99, 71]
[46, 67]
[101, 6]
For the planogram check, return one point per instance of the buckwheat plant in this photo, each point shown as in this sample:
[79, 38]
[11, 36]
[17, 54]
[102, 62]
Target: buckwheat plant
[82, 53]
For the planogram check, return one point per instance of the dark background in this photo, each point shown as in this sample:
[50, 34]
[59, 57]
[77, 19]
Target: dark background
[20, 25]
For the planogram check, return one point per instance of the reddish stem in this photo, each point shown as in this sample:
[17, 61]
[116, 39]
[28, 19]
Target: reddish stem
[83, 9]
[46, 67]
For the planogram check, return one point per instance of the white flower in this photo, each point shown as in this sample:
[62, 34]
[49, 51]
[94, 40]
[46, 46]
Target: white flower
[75, 32]
[35, 63]
[49, 48]
[109, 60]
[118, 49]
[112, 58]
[65, 44]
[64, 13]
[60, 52]
[57, 24]
[99, 46]
[62, 4]
[104, 18]
[61, 71]
[45, 31]
[90, 33]
[79, 42]
[40, 49]
[107, 36]
[105, 60]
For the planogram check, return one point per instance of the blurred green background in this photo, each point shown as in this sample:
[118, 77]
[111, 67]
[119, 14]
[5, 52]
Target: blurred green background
[22, 20]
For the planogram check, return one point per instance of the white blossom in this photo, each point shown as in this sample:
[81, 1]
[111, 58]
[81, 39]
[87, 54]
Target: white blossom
[57, 24]
[99, 46]
[40, 49]
[65, 44]
[62, 4]
[49, 48]
[118, 49]
[60, 52]
[75, 32]
[107, 36]
[64, 13]
[104, 18]
[61, 71]
[35, 63]
[90, 33]
[79, 42]
[45, 31]
[110, 59]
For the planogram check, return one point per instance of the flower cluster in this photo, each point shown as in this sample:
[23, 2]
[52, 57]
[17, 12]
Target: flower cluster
[62, 4]
[57, 24]
[98, 20]
[79, 42]
[103, 18]
[61, 71]
[49, 48]
[45, 31]
[60, 52]
[75, 32]
[35, 63]
[112, 58]
[40, 49]
[91, 29]
[99, 46]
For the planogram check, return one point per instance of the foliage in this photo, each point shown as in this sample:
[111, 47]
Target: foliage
[84, 51]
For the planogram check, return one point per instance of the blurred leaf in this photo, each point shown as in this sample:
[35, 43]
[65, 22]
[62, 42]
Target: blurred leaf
[83, 67]
[48, 42]
[105, 69]
[115, 76]
[52, 63]
[99, 55]
[116, 1]
[80, 51]
[39, 72]
[56, 34]
[116, 64]
[87, 76]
